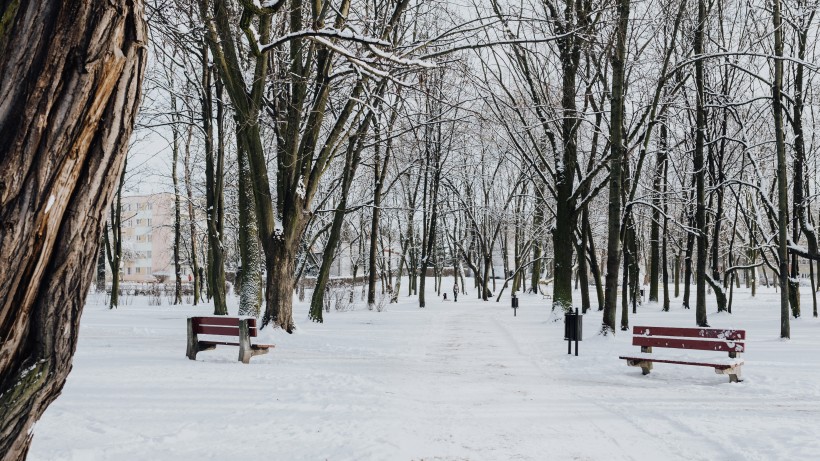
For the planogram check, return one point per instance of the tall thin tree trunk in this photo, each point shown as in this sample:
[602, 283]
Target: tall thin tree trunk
[583, 272]
[625, 290]
[100, 288]
[617, 143]
[802, 210]
[177, 204]
[677, 274]
[687, 265]
[594, 267]
[189, 192]
[664, 247]
[352, 158]
[698, 164]
[782, 182]
[655, 225]
[379, 174]
[214, 185]
[113, 241]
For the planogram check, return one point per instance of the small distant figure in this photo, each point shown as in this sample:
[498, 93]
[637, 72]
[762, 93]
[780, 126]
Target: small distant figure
[455, 292]
[445, 296]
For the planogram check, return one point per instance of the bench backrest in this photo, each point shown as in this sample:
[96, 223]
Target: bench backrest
[221, 326]
[705, 339]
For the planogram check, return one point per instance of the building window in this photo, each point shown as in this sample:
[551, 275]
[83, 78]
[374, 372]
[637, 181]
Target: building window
[138, 270]
[129, 271]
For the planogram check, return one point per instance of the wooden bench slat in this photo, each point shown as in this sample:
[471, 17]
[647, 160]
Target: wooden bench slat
[678, 343]
[213, 330]
[223, 321]
[223, 326]
[705, 333]
[222, 331]
[228, 343]
[720, 366]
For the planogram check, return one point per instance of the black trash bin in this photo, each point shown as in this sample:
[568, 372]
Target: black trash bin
[573, 329]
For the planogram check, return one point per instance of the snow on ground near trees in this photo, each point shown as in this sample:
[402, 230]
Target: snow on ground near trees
[453, 381]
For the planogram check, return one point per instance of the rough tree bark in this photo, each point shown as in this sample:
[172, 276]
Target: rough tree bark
[78, 65]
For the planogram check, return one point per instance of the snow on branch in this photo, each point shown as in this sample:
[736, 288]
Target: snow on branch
[409, 62]
[263, 7]
[328, 32]
[801, 251]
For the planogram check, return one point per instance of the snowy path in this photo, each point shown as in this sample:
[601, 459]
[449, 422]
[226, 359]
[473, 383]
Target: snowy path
[454, 381]
[485, 398]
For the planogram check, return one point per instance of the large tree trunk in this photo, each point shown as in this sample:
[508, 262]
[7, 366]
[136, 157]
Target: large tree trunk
[250, 276]
[78, 65]
[281, 263]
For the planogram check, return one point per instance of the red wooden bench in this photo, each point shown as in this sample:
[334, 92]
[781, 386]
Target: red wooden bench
[240, 329]
[702, 339]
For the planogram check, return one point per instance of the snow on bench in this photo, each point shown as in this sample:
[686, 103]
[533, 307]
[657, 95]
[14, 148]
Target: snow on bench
[242, 329]
[699, 339]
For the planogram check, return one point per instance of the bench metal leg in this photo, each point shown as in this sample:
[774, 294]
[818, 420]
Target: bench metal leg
[194, 346]
[646, 367]
[734, 374]
[193, 342]
[245, 352]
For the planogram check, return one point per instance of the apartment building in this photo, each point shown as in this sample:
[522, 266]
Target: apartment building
[148, 238]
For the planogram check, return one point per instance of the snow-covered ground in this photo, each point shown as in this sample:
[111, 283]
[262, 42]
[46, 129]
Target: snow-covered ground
[454, 381]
